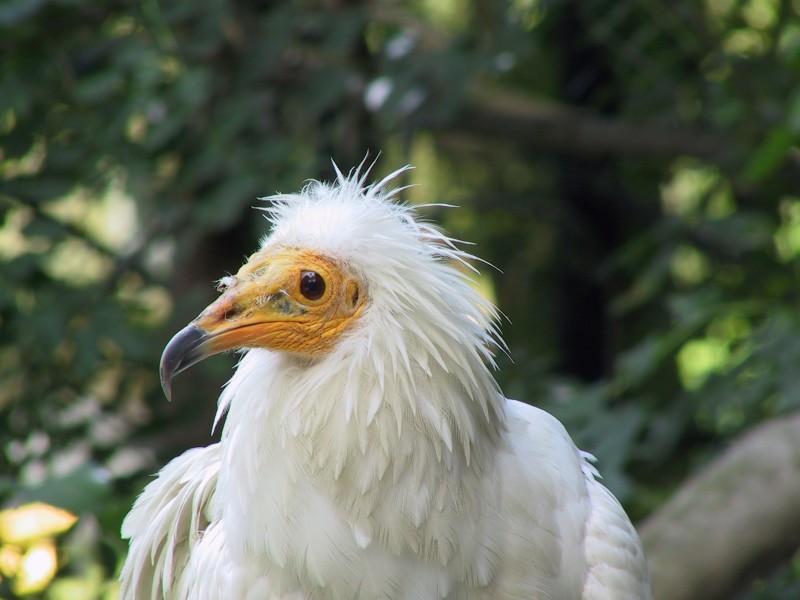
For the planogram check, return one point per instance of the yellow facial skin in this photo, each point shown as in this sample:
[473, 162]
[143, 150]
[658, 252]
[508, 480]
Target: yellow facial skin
[264, 305]
[282, 299]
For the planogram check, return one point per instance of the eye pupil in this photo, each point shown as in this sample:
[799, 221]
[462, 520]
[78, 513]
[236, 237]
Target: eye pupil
[312, 285]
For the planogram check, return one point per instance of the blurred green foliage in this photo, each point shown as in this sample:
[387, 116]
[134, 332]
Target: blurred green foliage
[652, 296]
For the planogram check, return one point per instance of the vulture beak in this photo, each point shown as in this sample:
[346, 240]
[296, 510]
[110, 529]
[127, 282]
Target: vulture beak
[238, 319]
[182, 351]
[249, 314]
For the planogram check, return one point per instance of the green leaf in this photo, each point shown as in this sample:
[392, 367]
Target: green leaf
[770, 155]
[741, 232]
[44, 227]
[99, 88]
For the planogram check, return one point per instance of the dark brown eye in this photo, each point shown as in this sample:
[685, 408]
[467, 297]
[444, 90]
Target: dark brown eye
[312, 285]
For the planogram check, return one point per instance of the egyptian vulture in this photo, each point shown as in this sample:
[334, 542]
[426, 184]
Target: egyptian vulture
[367, 450]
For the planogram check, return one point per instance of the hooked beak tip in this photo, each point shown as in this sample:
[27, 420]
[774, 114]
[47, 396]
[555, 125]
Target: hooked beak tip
[166, 385]
[182, 351]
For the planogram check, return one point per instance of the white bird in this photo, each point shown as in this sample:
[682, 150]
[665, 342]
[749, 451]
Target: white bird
[368, 452]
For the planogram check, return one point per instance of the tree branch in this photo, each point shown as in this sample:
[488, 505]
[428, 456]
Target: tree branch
[557, 128]
[724, 524]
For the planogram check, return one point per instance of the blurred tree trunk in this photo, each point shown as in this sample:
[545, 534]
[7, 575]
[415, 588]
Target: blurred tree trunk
[735, 519]
[591, 219]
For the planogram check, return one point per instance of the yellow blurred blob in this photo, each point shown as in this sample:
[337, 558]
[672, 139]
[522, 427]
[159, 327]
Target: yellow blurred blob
[31, 522]
[27, 546]
[38, 566]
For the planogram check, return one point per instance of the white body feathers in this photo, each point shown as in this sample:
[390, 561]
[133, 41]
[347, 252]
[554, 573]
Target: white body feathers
[391, 468]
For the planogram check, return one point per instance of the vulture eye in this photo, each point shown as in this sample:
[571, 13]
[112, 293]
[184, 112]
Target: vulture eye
[312, 285]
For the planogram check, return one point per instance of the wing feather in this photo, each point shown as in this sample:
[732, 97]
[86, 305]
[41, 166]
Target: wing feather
[596, 551]
[617, 567]
[166, 522]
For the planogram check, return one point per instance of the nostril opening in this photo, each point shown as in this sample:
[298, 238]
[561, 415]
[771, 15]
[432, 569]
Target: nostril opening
[230, 313]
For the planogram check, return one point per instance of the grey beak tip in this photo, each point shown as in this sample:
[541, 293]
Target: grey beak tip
[182, 351]
[166, 386]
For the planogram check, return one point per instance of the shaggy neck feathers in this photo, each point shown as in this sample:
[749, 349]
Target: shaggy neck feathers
[404, 395]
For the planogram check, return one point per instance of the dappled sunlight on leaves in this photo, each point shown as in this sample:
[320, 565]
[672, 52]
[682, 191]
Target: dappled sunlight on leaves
[695, 191]
[13, 242]
[787, 235]
[689, 266]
